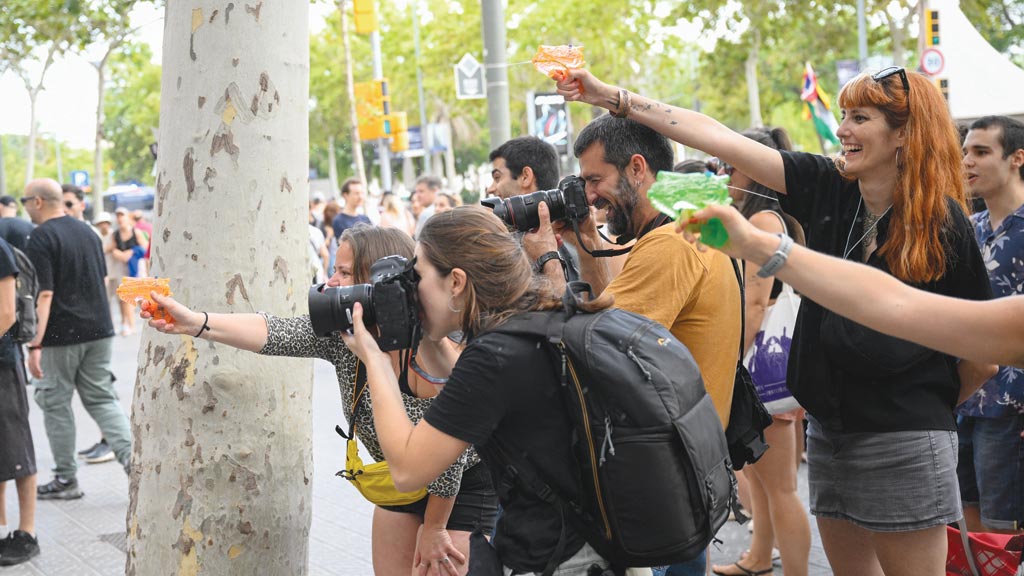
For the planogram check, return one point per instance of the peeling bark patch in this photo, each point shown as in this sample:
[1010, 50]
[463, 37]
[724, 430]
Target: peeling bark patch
[214, 16]
[197, 21]
[211, 400]
[179, 373]
[202, 102]
[208, 177]
[285, 184]
[166, 235]
[183, 503]
[215, 361]
[161, 194]
[245, 527]
[189, 165]
[187, 236]
[179, 83]
[255, 12]
[158, 468]
[224, 140]
[281, 268]
[262, 104]
[158, 354]
[195, 257]
[234, 62]
[284, 227]
[227, 13]
[233, 284]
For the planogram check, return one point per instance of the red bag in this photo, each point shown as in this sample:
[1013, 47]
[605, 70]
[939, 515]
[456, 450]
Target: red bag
[993, 554]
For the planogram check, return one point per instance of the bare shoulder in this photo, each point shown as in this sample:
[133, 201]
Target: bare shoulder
[767, 220]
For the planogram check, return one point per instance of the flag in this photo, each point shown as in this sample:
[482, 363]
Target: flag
[818, 107]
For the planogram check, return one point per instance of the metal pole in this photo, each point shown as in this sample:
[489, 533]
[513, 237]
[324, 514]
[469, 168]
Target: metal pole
[493, 15]
[60, 165]
[383, 148]
[419, 76]
[862, 36]
[3, 175]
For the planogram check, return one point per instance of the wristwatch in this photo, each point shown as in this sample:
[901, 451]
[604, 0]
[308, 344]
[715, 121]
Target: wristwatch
[778, 259]
[546, 257]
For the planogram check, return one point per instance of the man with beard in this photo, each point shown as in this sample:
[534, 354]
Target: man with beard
[525, 165]
[665, 278]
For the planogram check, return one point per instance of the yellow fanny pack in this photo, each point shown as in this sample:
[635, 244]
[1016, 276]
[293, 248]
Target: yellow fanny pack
[374, 482]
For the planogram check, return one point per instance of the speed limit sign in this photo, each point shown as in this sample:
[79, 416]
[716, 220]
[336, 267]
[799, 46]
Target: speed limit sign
[932, 62]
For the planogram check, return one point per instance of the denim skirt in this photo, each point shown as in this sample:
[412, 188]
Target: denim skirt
[884, 481]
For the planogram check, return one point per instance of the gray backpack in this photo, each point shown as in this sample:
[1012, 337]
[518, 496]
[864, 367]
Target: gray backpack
[657, 478]
[26, 290]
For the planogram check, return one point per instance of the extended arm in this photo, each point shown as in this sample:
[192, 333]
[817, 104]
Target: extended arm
[687, 127]
[758, 290]
[982, 331]
[244, 331]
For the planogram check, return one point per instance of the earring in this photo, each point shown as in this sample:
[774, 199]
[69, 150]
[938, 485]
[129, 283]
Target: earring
[453, 308]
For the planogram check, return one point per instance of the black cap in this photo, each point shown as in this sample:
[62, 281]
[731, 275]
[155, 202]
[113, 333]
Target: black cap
[8, 200]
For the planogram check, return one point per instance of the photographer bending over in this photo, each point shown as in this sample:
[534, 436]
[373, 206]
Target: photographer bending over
[503, 390]
[461, 497]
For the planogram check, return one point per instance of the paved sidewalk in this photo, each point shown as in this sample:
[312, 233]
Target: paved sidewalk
[86, 537]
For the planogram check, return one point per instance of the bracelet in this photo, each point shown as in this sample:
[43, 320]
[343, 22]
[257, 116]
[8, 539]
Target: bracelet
[206, 325]
[622, 109]
[778, 259]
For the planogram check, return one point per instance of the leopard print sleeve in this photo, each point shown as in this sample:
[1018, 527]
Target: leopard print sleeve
[294, 337]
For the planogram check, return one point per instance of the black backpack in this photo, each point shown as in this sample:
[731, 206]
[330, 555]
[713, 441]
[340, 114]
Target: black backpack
[26, 289]
[652, 456]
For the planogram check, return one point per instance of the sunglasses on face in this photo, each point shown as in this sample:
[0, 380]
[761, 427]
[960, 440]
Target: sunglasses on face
[25, 199]
[894, 71]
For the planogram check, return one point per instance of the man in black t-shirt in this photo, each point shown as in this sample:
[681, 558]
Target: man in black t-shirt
[13, 229]
[72, 348]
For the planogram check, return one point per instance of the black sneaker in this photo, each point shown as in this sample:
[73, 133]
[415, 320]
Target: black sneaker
[90, 449]
[102, 453]
[59, 489]
[18, 547]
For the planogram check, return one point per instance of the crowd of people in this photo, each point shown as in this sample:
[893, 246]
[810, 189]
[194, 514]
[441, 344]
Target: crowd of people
[903, 365]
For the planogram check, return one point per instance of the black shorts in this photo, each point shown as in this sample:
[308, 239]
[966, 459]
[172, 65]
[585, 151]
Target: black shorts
[476, 505]
[17, 453]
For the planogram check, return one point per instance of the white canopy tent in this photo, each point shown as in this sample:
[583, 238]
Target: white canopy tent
[982, 81]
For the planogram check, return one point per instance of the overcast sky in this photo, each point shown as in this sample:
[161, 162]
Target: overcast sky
[67, 105]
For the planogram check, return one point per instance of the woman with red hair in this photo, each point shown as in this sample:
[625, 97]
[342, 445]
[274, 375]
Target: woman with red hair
[882, 436]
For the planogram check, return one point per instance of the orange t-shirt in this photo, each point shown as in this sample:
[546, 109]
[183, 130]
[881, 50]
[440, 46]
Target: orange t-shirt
[694, 294]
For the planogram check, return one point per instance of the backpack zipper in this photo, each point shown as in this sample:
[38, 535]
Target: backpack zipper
[590, 443]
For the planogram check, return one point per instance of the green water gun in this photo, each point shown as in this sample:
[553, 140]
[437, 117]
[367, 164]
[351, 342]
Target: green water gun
[680, 195]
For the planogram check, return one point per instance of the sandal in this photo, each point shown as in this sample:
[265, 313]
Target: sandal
[745, 571]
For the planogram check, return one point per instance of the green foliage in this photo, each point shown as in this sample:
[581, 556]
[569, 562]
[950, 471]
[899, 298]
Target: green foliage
[16, 150]
[39, 30]
[1001, 22]
[132, 112]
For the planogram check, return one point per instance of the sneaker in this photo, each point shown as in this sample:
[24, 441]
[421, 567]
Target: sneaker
[59, 489]
[18, 547]
[102, 453]
[84, 453]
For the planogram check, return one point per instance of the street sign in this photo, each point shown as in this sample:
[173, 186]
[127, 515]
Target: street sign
[548, 119]
[932, 61]
[469, 79]
[79, 178]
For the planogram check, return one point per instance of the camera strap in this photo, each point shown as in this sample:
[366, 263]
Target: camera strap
[659, 221]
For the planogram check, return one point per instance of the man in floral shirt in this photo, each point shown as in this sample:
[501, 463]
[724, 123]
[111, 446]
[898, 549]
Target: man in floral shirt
[991, 464]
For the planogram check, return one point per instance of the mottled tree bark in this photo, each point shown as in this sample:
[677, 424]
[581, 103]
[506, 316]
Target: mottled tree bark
[222, 457]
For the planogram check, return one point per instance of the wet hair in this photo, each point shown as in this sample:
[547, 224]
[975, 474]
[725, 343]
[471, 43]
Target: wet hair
[622, 138]
[929, 165]
[767, 199]
[500, 281]
[346, 187]
[1011, 133]
[531, 151]
[371, 243]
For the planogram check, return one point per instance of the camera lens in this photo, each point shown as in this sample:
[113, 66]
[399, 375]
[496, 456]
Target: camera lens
[330, 309]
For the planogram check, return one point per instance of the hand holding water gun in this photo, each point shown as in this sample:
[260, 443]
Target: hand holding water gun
[682, 195]
[138, 292]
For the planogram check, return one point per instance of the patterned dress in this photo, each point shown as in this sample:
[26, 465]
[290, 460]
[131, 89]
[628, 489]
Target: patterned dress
[294, 337]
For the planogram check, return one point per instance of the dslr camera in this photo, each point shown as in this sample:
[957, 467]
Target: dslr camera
[389, 302]
[567, 202]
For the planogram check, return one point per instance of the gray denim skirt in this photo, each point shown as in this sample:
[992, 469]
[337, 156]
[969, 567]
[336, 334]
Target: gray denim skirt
[886, 481]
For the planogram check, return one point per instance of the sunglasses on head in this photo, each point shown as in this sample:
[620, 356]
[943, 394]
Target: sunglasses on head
[894, 71]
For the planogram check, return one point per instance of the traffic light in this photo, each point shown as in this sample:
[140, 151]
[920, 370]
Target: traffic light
[399, 132]
[943, 85]
[931, 28]
[365, 16]
[373, 106]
